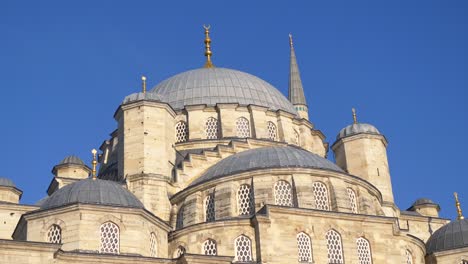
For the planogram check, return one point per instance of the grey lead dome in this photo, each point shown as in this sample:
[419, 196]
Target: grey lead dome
[451, 236]
[72, 160]
[91, 191]
[7, 182]
[213, 86]
[266, 158]
[359, 128]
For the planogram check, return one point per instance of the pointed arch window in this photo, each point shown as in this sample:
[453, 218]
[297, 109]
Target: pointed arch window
[179, 251]
[296, 138]
[409, 257]
[110, 238]
[181, 132]
[283, 193]
[209, 247]
[153, 245]
[272, 131]
[180, 218]
[245, 200]
[243, 249]
[334, 247]
[242, 127]
[352, 200]
[54, 235]
[364, 251]
[321, 196]
[211, 128]
[464, 261]
[209, 208]
[304, 248]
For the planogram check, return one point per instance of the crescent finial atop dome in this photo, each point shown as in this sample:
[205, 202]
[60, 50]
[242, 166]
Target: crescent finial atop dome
[354, 115]
[457, 205]
[208, 53]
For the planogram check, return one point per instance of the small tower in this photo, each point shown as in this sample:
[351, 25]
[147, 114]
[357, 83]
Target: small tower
[425, 207]
[361, 150]
[295, 91]
[69, 170]
[8, 191]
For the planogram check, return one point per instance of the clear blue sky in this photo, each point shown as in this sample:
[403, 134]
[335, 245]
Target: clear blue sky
[65, 66]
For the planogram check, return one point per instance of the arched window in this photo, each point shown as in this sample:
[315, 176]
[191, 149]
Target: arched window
[464, 261]
[179, 252]
[180, 218]
[209, 208]
[334, 247]
[321, 196]
[363, 250]
[209, 247]
[110, 238]
[296, 138]
[304, 248]
[181, 131]
[54, 235]
[153, 245]
[283, 193]
[352, 200]
[211, 128]
[272, 131]
[242, 127]
[245, 200]
[409, 257]
[243, 249]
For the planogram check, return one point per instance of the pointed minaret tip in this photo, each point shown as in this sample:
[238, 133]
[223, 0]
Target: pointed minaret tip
[290, 40]
[296, 91]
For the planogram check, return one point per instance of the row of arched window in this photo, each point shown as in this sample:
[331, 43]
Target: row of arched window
[109, 238]
[211, 130]
[283, 195]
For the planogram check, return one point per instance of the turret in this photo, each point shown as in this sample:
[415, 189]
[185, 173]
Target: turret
[8, 191]
[295, 91]
[361, 150]
[69, 170]
[425, 207]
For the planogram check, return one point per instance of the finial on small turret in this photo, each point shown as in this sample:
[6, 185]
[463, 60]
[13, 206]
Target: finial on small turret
[290, 40]
[143, 79]
[457, 205]
[354, 115]
[208, 52]
[94, 163]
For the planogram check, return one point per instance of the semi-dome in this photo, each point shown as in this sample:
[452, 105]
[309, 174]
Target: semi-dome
[266, 158]
[91, 191]
[212, 86]
[72, 160]
[359, 128]
[451, 236]
[6, 182]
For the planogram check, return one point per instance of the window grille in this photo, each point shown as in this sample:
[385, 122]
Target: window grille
[409, 257]
[283, 193]
[110, 238]
[180, 218]
[181, 131]
[209, 247]
[153, 245]
[363, 250]
[245, 200]
[296, 138]
[334, 247]
[304, 248]
[243, 249]
[211, 128]
[54, 235]
[242, 127]
[272, 131]
[321, 196]
[352, 200]
[209, 208]
[180, 251]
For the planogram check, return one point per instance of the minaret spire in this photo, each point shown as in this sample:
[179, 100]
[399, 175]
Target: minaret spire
[208, 53]
[296, 91]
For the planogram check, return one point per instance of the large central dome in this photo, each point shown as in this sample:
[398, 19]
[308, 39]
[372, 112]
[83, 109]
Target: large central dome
[212, 86]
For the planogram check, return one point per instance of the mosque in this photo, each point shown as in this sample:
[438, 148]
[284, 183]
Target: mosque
[215, 165]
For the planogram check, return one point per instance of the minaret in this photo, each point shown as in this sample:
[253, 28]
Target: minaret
[296, 92]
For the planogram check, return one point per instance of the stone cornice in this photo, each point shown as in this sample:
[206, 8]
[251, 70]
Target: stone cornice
[222, 223]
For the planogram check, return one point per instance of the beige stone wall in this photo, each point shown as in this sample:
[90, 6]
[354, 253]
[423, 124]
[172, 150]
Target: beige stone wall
[9, 217]
[453, 256]
[10, 194]
[420, 226]
[72, 171]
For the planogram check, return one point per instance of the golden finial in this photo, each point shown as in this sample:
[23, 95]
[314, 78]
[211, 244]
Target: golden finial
[208, 53]
[94, 152]
[354, 115]
[143, 79]
[290, 40]
[457, 205]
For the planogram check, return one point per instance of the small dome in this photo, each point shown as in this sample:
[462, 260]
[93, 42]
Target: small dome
[72, 160]
[359, 128]
[211, 86]
[7, 182]
[91, 191]
[141, 96]
[265, 158]
[451, 236]
[423, 201]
